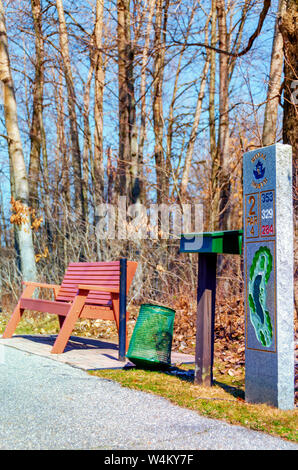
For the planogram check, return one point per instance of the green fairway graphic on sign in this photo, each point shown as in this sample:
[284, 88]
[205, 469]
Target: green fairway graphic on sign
[259, 275]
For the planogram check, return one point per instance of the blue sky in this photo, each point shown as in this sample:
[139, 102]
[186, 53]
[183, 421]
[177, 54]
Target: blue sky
[250, 76]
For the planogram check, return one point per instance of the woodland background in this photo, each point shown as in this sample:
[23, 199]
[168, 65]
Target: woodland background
[156, 100]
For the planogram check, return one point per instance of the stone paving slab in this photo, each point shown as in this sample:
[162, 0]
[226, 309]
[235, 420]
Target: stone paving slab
[84, 353]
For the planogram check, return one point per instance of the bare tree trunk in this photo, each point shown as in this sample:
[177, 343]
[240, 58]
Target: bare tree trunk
[238, 39]
[134, 180]
[124, 141]
[158, 121]
[194, 130]
[135, 188]
[128, 168]
[87, 148]
[16, 156]
[35, 132]
[151, 7]
[76, 154]
[219, 210]
[111, 174]
[273, 94]
[196, 120]
[288, 27]
[174, 97]
[61, 144]
[98, 105]
[223, 131]
[213, 220]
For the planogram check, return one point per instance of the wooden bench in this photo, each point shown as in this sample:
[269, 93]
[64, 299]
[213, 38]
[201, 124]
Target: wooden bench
[88, 290]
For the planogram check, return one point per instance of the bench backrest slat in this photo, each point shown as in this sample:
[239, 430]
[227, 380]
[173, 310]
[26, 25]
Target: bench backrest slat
[105, 274]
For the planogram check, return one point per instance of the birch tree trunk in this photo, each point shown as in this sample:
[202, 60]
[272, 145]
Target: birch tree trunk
[16, 156]
[273, 94]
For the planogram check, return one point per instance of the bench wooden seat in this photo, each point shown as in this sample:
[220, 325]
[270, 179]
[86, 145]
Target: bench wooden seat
[88, 290]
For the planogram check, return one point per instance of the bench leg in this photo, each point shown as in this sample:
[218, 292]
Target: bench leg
[69, 323]
[17, 313]
[13, 322]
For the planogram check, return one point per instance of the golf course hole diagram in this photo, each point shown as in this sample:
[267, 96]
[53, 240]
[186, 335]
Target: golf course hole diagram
[259, 275]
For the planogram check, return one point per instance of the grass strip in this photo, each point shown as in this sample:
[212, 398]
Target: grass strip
[224, 401]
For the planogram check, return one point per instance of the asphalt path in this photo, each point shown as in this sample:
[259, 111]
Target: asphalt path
[47, 405]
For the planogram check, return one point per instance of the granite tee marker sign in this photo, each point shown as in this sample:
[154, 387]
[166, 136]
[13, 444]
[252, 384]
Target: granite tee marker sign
[268, 266]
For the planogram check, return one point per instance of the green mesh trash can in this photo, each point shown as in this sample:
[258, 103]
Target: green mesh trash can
[151, 341]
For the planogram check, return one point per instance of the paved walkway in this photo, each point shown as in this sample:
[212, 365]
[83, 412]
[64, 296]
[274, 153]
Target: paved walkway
[46, 404]
[85, 353]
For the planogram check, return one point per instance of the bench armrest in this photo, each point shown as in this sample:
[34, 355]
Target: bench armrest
[113, 290]
[29, 284]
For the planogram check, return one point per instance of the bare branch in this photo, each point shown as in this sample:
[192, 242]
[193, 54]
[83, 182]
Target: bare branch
[251, 40]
